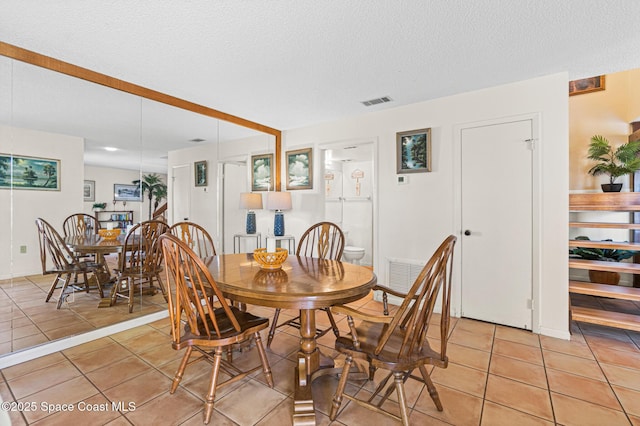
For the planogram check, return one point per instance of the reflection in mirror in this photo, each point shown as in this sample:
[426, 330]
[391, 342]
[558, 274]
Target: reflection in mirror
[50, 115]
[234, 174]
[56, 117]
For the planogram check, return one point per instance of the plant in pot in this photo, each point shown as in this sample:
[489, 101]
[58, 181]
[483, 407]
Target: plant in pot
[615, 163]
[605, 255]
[99, 206]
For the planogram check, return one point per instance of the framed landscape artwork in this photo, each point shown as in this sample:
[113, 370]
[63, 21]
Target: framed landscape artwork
[413, 151]
[300, 169]
[35, 173]
[586, 85]
[262, 172]
[200, 173]
[89, 190]
[122, 192]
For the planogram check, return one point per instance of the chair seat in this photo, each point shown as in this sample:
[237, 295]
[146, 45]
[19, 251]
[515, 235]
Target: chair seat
[369, 336]
[73, 268]
[246, 320]
[398, 343]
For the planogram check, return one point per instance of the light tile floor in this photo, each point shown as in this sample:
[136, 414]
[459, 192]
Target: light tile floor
[26, 321]
[496, 376]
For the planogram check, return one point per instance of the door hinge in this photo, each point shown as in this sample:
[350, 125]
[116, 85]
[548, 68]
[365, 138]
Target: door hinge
[532, 143]
[530, 304]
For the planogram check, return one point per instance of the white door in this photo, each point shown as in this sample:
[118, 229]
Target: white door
[496, 190]
[181, 202]
[233, 219]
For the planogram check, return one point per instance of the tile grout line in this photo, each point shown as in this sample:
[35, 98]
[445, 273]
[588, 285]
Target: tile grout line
[605, 375]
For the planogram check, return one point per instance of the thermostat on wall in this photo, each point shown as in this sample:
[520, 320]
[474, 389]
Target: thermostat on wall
[403, 179]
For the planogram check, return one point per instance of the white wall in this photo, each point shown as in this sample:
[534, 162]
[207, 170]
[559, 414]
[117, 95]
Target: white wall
[413, 219]
[105, 178]
[204, 201]
[20, 208]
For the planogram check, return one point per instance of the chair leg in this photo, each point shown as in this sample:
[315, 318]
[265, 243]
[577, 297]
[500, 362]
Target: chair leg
[183, 364]
[337, 397]
[130, 283]
[114, 290]
[53, 287]
[162, 288]
[62, 296]
[334, 326]
[211, 394]
[263, 358]
[274, 325]
[431, 387]
[398, 378]
[94, 277]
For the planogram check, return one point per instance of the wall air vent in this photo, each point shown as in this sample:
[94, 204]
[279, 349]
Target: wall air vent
[377, 101]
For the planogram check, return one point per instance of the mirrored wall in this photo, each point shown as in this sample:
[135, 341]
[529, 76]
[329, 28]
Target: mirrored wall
[68, 123]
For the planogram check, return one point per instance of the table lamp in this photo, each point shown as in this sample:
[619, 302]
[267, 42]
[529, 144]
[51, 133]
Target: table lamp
[278, 201]
[250, 201]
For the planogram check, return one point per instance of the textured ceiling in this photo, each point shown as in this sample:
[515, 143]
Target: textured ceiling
[292, 63]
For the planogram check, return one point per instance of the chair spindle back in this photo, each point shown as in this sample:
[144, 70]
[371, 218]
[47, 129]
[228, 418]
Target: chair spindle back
[188, 278]
[323, 240]
[415, 312]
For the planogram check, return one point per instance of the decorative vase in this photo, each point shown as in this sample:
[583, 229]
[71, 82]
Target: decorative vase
[611, 187]
[278, 224]
[604, 277]
[251, 223]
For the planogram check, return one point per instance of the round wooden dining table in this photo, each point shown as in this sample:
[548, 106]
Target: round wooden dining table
[303, 283]
[95, 244]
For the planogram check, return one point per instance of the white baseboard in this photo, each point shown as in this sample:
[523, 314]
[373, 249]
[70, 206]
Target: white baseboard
[558, 334]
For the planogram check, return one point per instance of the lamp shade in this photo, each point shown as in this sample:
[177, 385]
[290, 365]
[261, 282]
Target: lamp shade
[250, 201]
[278, 200]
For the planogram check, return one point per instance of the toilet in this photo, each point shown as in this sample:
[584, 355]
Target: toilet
[353, 254]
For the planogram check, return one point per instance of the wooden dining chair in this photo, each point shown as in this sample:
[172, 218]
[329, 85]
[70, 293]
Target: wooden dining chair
[56, 258]
[140, 262]
[80, 224]
[323, 240]
[195, 237]
[196, 324]
[398, 343]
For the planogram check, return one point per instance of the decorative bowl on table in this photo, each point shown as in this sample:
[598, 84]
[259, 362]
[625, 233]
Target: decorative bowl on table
[109, 234]
[270, 260]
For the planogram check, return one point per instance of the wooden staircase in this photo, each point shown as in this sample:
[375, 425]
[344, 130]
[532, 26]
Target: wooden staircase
[598, 316]
[612, 202]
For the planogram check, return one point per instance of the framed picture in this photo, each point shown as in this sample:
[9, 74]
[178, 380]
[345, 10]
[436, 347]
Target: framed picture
[123, 192]
[299, 169]
[262, 172]
[413, 151]
[200, 168]
[18, 172]
[586, 85]
[89, 190]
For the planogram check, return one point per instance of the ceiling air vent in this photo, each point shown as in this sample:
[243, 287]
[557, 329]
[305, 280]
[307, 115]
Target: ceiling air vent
[377, 101]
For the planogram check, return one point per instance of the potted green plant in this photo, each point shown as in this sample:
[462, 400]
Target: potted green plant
[152, 186]
[605, 255]
[615, 163]
[99, 206]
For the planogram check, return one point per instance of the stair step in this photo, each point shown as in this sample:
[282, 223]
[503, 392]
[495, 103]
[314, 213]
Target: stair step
[604, 290]
[610, 319]
[598, 265]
